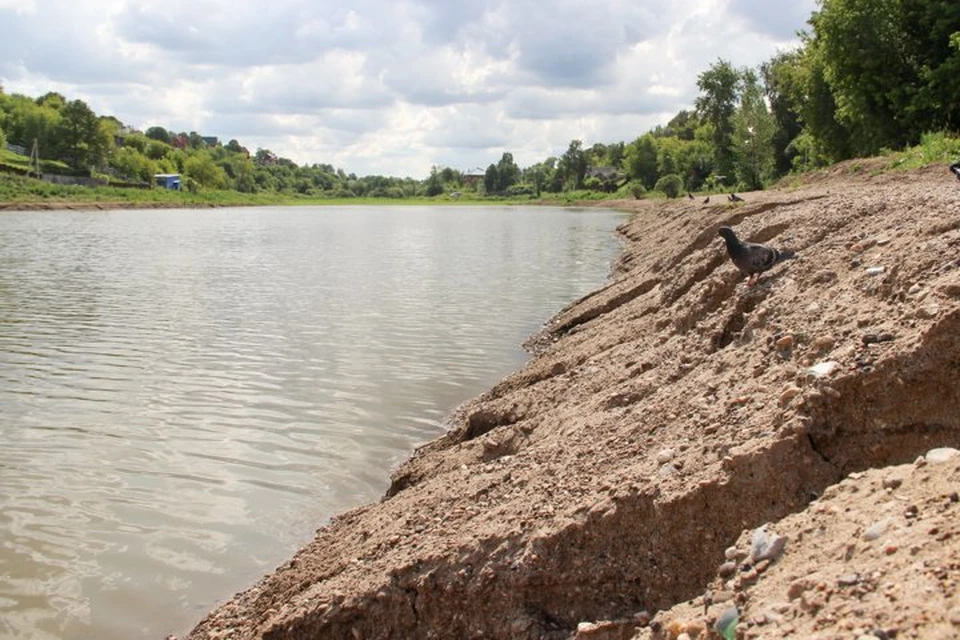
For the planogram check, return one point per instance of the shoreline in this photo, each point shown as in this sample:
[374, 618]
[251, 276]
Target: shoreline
[662, 418]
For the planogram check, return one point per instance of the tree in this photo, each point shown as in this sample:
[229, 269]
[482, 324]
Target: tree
[753, 133]
[573, 165]
[508, 173]
[202, 170]
[719, 90]
[641, 160]
[783, 86]
[866, 66]
[158, 133]
[433, 184]
[83, 143]
[671, 185]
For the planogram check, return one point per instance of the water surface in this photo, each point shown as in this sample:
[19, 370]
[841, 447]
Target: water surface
[186, 395]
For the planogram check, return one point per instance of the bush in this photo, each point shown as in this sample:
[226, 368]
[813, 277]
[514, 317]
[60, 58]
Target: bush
[671, 185]
[637, 190]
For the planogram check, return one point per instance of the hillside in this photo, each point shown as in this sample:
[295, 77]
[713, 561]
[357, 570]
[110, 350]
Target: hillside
[666, 417]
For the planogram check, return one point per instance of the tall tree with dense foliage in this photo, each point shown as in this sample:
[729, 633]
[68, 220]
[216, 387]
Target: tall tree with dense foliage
[719, 91]
[82, 142]
[753, 132]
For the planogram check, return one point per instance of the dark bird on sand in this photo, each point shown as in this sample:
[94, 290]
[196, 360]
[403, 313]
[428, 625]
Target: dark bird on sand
[689, 195]
[735, 198]
[752, 259]
[706, 200]
[955, 167]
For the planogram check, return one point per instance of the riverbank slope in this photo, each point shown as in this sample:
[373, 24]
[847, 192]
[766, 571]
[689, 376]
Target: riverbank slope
[666, 416]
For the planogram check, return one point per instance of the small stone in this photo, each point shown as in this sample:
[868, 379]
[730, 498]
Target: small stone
[789, 393]
[667, 470]
[764, 546]
[941, 455]
[823, 343]
[892, 483]
[665, 456]
[876, 271]
[586, 627]
[823, 369]
[914, 289]
[875, 531]
[727, 569]
[882, 240]
[890, 548]
[848, 580]
[730, 553]
[785, 343]
[727, 622]
[928, 311]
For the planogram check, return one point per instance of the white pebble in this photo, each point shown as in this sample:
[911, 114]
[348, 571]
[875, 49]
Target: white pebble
[941, 455]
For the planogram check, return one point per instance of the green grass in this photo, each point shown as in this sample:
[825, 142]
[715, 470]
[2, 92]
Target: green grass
[933, 148]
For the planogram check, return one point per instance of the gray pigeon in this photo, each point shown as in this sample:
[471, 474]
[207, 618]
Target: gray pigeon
[735, 198]
[752, 259]
[955, 167]
[706, 200]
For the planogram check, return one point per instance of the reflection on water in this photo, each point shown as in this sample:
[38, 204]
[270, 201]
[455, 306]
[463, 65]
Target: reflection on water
[186, 395]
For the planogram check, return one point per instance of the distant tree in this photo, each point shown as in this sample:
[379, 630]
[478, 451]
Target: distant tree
[83, 143]
[573, 165]
[201, 168]
[433, 185]
[158, 133]
[508, 173]
[683, 125]
[671, 185]
[753, 132]
[719, 91]
[491, 181]
[196, 140]
[235, 147]
[783, 86]
[3, 139]
[53, 100]
[641, 160]
[131, 163]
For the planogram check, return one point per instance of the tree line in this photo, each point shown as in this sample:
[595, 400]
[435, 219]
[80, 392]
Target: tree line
[869, 75]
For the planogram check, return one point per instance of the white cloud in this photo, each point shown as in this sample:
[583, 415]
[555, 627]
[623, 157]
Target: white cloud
[389, 86]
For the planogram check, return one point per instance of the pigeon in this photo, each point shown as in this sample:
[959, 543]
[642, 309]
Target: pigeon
[689, 195]
[955, 167]
[706, 200]
[752, 259]
[735, 198]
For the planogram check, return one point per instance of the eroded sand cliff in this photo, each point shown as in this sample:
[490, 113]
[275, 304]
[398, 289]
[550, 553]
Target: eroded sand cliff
[665, 417]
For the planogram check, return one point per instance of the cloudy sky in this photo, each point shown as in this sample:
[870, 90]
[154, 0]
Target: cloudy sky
[389, 87]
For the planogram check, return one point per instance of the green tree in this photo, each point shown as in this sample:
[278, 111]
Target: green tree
[753, 132]
[433, 185]
[719, 92]
[133, 164]
[671, 185]
[202, 170]
[83, 143]
[641, 160]
[783, 86]
[158, 133]
[508, 173]
[573, 165]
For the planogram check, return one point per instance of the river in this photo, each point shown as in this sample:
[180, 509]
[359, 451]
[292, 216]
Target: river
[186, 395]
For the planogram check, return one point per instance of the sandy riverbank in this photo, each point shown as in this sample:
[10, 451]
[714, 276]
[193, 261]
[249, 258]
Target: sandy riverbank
[665, 417]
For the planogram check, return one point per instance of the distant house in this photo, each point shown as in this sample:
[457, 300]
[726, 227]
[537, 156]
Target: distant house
[211, 141]
[473, 179]
[609, 177]
[168, 181]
